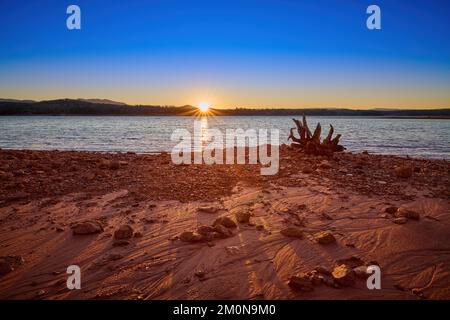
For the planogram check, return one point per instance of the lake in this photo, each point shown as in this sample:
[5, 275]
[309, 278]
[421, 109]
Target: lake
[426, 138]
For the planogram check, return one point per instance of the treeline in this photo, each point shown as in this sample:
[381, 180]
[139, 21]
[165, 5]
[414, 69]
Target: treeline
[79, 107]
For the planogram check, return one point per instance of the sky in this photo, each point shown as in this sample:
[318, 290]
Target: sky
[246, 53]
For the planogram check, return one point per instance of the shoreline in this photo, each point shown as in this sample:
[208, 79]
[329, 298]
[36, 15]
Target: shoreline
[46, 195]
[284, 145]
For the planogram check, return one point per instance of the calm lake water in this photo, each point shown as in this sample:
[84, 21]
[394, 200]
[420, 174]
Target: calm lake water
[414, 137]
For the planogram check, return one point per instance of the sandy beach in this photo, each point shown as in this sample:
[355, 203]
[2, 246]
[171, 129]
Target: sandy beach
[143, 228]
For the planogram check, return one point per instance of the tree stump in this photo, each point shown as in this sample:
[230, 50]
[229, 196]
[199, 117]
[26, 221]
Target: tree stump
[310, 143]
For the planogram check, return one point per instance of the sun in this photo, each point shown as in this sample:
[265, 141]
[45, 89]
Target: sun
[203, 107]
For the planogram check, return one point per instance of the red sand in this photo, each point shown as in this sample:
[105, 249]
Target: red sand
[44, 194]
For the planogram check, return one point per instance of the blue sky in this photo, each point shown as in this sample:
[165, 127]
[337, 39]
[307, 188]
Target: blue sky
[257, 53]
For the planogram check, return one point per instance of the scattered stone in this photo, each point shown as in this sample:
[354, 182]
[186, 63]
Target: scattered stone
[87, 227]
[322, 270]
[205, 230]
[324, 237]
[351, 262]
[121, 243]
[243, 217]
[200, 273]
[59, 229]
[328, 281]
[343, 275]
[401, 220]
[124, 232]
[260, 227]
[407, 213]
[225, 221]
[189, 236]
[391, 210]
[222, 232]
[361, 272]
[292, 232]
[325, 164]
[41, 293]
[301, 282]
[403, 172]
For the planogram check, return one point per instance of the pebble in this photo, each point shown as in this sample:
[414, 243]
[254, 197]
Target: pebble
[124, 232]
[292, 232]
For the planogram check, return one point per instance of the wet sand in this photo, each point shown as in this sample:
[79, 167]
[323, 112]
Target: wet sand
[177, 251]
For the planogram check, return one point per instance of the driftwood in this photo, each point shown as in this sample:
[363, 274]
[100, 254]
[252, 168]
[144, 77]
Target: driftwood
[310, 142]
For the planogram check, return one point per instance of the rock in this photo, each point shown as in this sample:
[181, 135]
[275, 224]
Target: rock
[328, 281]
[243, 217]
[121, 243]
[403, 172]
[205, 230]
[222, 231]
[325, 164]
[315, 277]
[361, 272]
[208, 209]
[260, 227]
[137, 234]
[189, 236]
[87, 227]
[200, 273]
[124, 232]
[401, 220]
[343, 275]
[391, 210]
[324, 237]
[225, 221]
[301, 282]
[41, 293]
[292, 232]
[322, 270]
[407, 213]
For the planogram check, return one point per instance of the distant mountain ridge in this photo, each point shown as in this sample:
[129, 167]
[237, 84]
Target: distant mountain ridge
[103, 101]
[16, 100]
[110, 108]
